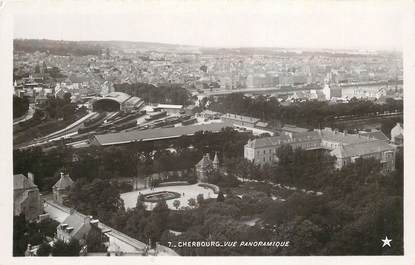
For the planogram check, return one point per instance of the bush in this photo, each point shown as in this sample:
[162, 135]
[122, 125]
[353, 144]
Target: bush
[44, 250]
[125, 187]
[20, 107]
[61, 248]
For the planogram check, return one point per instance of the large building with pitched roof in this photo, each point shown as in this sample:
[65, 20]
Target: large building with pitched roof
[117, 101]
[26, 197]
[345, 147]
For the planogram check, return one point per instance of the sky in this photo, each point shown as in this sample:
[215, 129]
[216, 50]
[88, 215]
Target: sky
[228, 23]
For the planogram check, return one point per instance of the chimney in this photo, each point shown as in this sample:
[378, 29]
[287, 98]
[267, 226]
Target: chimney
[31, 177]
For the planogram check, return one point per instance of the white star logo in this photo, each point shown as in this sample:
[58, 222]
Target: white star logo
[386, 242]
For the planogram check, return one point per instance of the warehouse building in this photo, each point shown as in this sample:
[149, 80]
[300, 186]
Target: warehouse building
[117, 101]
[154, 134]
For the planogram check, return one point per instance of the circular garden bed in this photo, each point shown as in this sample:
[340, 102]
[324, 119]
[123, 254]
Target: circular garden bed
[161, 196]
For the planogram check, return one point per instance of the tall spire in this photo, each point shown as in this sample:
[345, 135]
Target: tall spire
[216, 161]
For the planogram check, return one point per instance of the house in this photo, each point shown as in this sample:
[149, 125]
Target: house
[61, 188]
[80, 227]
[397, 134]
[206, 166]
[26, 197]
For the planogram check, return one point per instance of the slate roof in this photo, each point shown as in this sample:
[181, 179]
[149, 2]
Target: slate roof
[362, 149]
[398, 128]
[239, 118]
[120, 97]
[375, 135]
[283, 139]
[55, 209]
[400, 136]
[292, 128]
[268, 141]
[343, 138]
[350, 144]
[261, 124]
[133, 101]
[64, 182]
[79, 223]
[20, 181]
[205, 162]
[216, 159]
[155, 134]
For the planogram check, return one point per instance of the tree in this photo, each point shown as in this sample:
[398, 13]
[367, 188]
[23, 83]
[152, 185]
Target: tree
[303, 236]
[192, 202]
[60, 248]
[98, 198]
[67, 97]
[221, 197]
[20, 235]
[200, 199]
[94, 242]
[44, 249]
[140, 206]
[164, 93]
[153, 232]
[68, 111]
[214, 177]
[160, 214]
[20, 106]
[176, 204]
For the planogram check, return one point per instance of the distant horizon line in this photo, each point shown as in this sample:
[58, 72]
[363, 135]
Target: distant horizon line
[399, 50]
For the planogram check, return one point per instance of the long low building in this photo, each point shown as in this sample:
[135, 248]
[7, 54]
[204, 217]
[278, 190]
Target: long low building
[240, 120]
[345, 147]
[155, 134]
